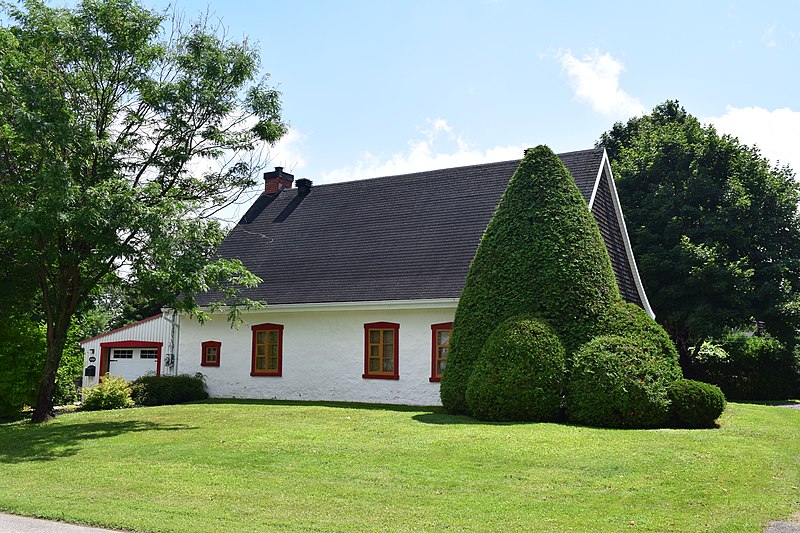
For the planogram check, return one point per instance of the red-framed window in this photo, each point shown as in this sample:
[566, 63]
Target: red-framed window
[440, 346]
[381, 350]
[267, 350]
[211, 352]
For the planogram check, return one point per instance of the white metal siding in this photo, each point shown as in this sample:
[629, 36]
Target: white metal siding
[150, 330]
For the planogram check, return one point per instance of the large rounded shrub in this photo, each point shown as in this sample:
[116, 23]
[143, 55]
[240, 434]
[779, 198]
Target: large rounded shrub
[542, 254]
[626, 319]
[620, 382]
[519, 374]
[695, 404]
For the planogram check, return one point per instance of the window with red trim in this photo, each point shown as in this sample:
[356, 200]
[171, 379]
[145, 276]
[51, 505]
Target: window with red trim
[381, 350]
[267, 350]
[211, 352]
[440, 345]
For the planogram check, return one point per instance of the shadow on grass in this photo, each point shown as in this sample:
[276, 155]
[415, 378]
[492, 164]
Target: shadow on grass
[46, 442]
[444, 418]
[337, 405]
[425, 414]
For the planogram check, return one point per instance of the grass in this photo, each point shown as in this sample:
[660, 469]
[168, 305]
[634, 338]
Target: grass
[256, 466]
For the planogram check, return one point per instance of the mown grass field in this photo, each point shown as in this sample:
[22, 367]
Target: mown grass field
[259, 466]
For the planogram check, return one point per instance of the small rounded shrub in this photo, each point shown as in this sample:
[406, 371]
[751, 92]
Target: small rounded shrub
[113, 392]
[620, 382]
[626, 319]
[519, 374]
[695, 404]
[167, 390]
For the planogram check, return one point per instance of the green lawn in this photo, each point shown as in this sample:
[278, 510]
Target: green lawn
[257, 466]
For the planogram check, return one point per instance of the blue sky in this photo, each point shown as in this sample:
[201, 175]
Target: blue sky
[377, 87]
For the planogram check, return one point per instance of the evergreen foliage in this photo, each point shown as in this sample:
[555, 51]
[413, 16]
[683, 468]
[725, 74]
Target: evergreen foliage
[519, 374]
[695, 404]
[541, 255]
[629, 320]
[620, 382]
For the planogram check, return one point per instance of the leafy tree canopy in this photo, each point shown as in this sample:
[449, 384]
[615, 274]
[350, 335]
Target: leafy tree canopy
[120, 129]
[714, 227]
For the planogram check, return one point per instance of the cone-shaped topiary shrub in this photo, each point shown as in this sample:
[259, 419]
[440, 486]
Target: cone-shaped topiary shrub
[695, 404]
[620, 382]
[519, 374]
[541, 255]
[629, 320]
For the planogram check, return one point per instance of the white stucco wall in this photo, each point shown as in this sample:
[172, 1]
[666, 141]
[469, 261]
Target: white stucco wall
[323, 355]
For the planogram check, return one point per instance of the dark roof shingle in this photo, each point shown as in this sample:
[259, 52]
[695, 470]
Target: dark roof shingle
[404, 237]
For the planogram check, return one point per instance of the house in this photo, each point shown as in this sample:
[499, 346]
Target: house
[144, 347]
[362, 280]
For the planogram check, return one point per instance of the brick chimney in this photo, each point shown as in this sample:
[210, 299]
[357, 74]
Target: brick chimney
[276, 181]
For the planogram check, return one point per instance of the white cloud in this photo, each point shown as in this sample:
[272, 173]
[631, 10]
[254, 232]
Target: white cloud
[595, 79]
[768, 38]
[287, 153]
[776, 132]
[439, 146]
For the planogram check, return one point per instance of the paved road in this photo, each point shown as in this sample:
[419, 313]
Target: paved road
[22, 524]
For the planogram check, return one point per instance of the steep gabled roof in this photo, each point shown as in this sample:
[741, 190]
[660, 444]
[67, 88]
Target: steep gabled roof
[406, 237]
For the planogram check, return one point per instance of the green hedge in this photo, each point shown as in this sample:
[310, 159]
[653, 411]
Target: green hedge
[749, 367]
[695, 404]
[620, 382]
[167, 390]
[541, 255]
[519, 374]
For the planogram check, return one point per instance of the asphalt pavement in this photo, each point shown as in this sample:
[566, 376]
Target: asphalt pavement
[10, 523]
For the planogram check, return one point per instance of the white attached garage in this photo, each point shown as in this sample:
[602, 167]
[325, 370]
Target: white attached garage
[130, 351]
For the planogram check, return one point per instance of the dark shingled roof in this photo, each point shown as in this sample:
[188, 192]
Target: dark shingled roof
[402, 237]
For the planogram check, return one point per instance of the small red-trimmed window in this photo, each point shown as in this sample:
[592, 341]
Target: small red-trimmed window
[381, 350]
[441, 334]
[211, 353]
[267, 350]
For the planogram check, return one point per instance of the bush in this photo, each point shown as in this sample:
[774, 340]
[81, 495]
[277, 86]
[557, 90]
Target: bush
[519, 374]
[750, 367]
[167, 390]
[695, 404]
[113, 392]
[620, 382]
[541, 255]
[625, 319]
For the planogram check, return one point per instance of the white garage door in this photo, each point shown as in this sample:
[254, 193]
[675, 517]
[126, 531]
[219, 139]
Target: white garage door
[131, 363]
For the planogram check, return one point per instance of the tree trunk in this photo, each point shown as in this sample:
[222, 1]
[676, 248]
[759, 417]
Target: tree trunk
[56, 340]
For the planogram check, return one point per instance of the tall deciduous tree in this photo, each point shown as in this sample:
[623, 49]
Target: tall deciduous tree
[105, 110]
[714, 227]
